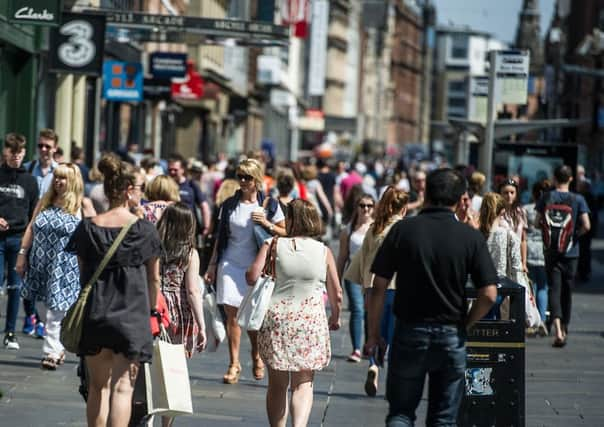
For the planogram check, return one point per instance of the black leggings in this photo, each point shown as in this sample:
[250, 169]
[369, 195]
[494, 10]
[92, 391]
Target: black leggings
[560, 279]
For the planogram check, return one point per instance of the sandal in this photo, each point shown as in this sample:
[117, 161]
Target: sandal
[61, 359]
[258, 369]
[49, 364]
[232, 374]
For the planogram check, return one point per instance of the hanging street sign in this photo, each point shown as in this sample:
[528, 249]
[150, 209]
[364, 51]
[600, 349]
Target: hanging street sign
[122, 81]
[78, 44]
[35, 12]
[165, 65]
[512, 76]
[177, 28]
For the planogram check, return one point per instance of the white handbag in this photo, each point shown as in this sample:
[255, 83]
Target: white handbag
[254, 306]
[167, 380]
[215, 330]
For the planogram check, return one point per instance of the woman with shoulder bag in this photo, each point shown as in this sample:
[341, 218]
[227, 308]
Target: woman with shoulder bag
[294, 338]
[235, 250]
[180, 280]
[116, 334]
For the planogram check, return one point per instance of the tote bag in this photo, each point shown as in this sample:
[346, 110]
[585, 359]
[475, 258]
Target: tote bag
[167, 380]
[255, 304]
[215, 330]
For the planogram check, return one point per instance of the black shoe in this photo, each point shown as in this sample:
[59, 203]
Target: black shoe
[10, 341]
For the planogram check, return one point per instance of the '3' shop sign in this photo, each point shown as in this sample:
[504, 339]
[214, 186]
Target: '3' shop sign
[35, 12]
[77, 46]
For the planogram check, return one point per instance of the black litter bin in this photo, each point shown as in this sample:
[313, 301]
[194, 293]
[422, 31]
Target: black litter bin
[494, 392]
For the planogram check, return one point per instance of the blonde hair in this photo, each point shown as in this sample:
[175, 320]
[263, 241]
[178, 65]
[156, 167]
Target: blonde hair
[303, 219]
[310, 172]
[392, 202]
[227, 188]
[477, 180]
[162, 187]
[491, 207]
[74, 193]
[253, 168]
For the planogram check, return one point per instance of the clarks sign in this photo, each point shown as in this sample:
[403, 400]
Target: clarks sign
[35, 12]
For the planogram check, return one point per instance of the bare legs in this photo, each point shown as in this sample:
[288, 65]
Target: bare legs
[112, 379]
[301, 384]
[234, 337]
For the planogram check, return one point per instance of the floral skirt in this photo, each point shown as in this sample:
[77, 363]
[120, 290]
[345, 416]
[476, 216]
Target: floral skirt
[295, 335]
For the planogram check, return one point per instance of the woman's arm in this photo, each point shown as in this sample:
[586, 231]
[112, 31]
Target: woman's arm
[26, 242]
[253, 272]
[195, 298]
[88, 208]
[153, 281]
[343, 253]
[334, 292]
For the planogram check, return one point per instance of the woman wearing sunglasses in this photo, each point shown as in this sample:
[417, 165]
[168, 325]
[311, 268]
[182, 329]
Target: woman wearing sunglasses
[235, 250]
[351, 239]
[391, 208]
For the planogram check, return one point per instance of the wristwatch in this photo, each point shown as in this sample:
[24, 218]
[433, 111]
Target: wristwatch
[271, 228]
[22, 251]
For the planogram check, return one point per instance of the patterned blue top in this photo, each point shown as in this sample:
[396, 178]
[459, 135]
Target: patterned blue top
[53, 276]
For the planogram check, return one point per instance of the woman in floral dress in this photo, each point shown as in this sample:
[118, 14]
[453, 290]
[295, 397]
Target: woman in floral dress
[294, 339]
[180, 280]
[53, 276]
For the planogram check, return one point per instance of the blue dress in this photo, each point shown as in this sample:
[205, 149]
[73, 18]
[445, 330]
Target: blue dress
[53, 276]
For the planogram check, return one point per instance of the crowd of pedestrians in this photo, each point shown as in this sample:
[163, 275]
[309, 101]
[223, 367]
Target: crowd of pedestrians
[407, 241]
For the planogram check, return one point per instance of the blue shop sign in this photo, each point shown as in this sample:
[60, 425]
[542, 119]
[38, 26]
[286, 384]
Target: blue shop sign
[122, 81]
[165, 65]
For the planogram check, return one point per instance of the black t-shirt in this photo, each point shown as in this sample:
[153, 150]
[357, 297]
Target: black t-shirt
[191, 194]
[328, 181]
[432, 255]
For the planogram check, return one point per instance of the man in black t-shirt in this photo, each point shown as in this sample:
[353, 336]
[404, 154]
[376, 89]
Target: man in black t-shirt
[432, 255]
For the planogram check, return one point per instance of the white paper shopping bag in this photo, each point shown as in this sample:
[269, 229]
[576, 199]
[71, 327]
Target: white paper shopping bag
[167, 381]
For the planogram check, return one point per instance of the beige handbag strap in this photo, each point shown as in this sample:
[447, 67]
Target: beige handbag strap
[110, 253]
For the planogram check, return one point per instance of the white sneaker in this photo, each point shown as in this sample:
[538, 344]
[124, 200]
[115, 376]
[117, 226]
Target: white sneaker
[10, 341]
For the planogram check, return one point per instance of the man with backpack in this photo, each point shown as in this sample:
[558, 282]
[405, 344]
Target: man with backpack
[563, 217]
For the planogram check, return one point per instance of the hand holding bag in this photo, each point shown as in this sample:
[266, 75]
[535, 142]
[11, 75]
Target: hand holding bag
[215, 330]
[72, 323]
[255, 304]
[167, 379]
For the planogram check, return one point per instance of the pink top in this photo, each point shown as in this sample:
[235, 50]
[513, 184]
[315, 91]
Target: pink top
[350, 181]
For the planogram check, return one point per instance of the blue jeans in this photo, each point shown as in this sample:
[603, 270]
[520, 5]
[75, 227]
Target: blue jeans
[387, 322]
[9, 249]
[354, 291]
[426, 349]
[539, 277]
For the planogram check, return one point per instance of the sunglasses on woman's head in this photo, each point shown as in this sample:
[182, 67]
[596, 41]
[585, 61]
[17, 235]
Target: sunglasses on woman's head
[244, 177]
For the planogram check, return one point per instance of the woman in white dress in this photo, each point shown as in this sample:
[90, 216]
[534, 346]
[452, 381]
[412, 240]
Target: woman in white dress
[242, 220]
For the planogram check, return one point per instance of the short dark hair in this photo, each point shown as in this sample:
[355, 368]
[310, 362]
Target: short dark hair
[444, 187]
[563, 174]
[176, 157]
[14, 142]
[285, 183]
[49, 134]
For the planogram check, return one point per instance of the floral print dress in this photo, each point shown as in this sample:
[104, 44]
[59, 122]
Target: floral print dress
[295, 335]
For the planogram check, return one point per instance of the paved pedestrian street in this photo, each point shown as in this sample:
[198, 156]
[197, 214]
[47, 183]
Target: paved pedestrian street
[564, 386]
